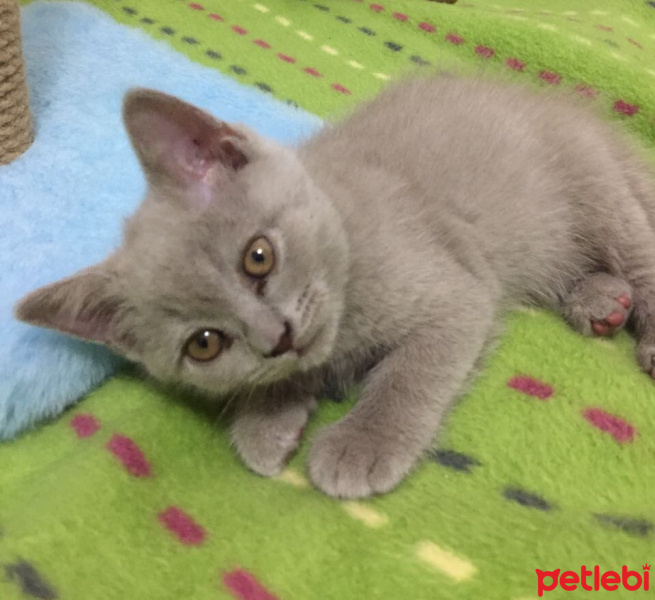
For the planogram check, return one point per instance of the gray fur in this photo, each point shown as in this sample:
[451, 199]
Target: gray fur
[402, 233]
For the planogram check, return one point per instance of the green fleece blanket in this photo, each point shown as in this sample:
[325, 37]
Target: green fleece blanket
[546, 465]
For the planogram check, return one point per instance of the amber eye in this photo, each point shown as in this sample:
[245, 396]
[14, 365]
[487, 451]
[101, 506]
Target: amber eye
[205, 345]
[259, 258]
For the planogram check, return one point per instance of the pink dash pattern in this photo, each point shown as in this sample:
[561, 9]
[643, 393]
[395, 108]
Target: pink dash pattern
[453, 38]
[244, 586]
[620, 430]
[377, 8]
[515, 64]
[85, 425]
[400, 16]
[484, 51]
[312, 72]
[286, 58]
[531, 387]
[215, 17]
[182, 526]
[427, 27]
[626, 109]
[239, 30]
[339, 88]
[550, 77]
[262, 44]
[586, 91]
[127, 451]
[196, 6]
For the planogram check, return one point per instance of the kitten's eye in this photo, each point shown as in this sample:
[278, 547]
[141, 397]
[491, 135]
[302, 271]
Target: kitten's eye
[205, 345]
[259, 258]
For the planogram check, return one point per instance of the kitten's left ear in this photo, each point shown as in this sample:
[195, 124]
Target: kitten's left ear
[87, 305]
[180, 143]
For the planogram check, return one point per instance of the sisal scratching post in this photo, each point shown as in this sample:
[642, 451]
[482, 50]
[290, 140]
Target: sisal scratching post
[16, 133]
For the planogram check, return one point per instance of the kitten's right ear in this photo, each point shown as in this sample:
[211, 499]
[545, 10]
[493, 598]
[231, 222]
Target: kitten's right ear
[87, 305]
[179, 143]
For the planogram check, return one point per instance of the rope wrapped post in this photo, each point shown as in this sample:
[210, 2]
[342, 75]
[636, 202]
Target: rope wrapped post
[16, 132]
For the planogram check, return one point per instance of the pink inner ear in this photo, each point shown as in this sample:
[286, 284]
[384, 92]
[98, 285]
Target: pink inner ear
[195, 158]
[182, 155]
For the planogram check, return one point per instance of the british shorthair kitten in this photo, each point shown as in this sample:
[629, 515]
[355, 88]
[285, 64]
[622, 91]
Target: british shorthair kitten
[386, 247]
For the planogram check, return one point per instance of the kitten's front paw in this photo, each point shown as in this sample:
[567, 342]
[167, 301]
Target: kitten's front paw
[349, 462]
[265, 442]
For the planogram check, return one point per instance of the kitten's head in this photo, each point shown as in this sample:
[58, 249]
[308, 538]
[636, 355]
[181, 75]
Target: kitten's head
[231, 272]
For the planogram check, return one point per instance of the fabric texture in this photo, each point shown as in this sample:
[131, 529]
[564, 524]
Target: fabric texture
[135, 493]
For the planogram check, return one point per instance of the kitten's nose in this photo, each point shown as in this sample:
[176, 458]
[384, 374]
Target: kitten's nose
[285, 343]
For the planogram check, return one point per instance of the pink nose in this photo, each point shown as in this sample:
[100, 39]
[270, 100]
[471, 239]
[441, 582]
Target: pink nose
[285, 343]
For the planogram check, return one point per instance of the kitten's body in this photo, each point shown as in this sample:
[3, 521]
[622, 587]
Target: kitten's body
[518, 190]
[431, 210]
[461, 198]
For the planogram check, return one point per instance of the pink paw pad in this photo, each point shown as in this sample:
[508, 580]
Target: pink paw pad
[625, 301]
[600, 328]
[614, 319]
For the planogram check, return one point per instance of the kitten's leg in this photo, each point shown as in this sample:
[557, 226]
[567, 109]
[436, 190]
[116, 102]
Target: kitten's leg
[267, 431]
[599, 304]
[643, 320]
[630, 247]
[399, 411]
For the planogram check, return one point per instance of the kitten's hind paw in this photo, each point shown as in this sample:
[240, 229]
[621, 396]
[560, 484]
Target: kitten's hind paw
[599, 305]
[348, 462]
[266, 441]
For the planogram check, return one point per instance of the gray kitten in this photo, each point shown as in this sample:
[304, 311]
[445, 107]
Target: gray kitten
[386, 247]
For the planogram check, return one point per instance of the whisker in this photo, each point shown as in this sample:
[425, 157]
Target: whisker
[227, 405]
